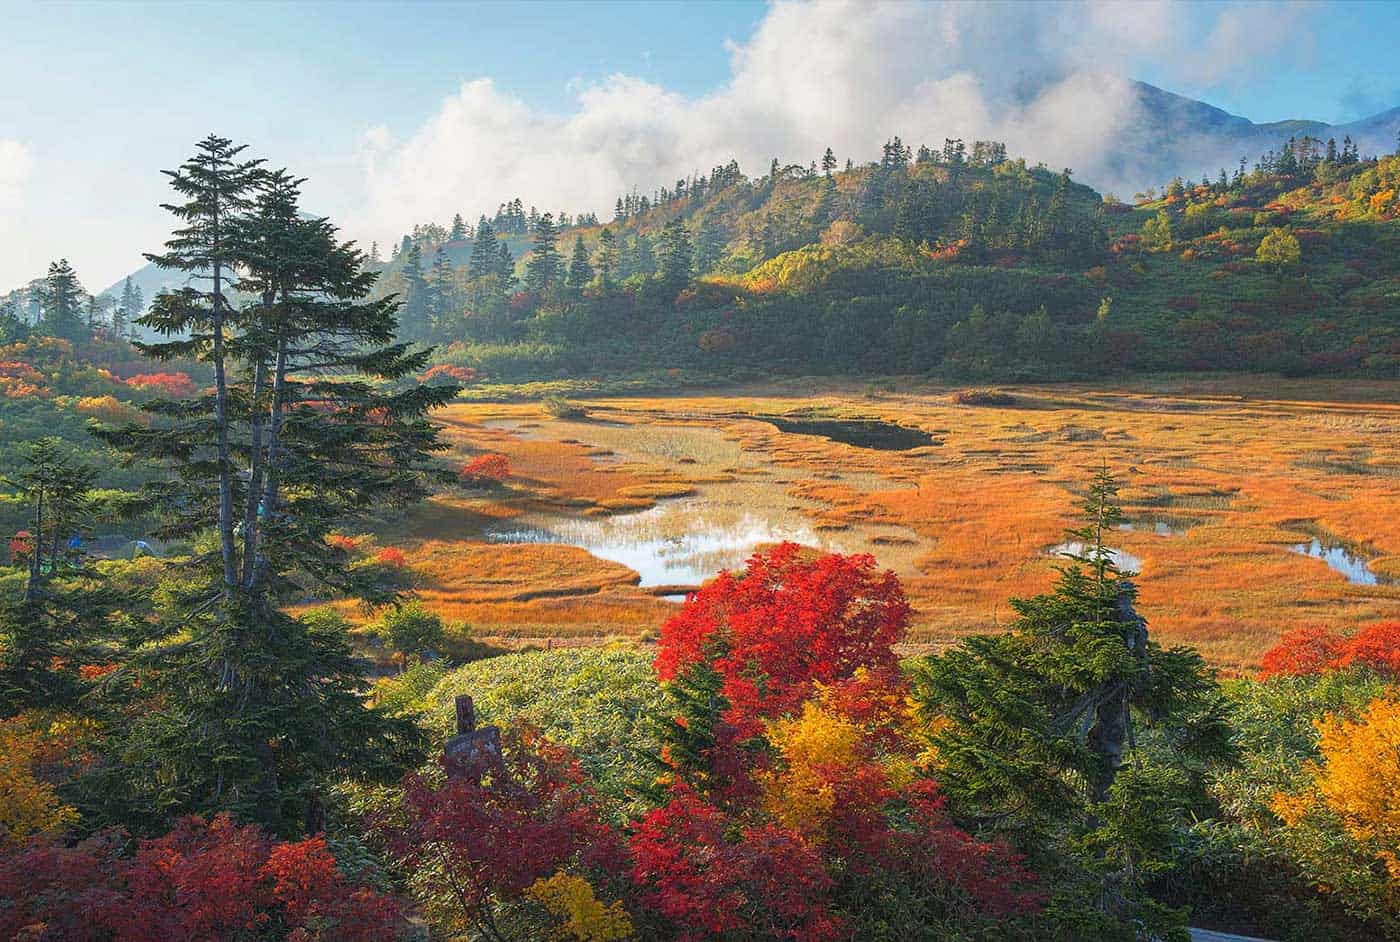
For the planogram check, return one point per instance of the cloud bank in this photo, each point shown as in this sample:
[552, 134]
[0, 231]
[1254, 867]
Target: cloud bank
[1052, 80]
[16, 165]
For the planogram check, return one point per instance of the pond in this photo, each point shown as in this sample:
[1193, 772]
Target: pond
[1341, 559]
[1161, 526]
[684, 542]
[1125, 561]
[862, 433]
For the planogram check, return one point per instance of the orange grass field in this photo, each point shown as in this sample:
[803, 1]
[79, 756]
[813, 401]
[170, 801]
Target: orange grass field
[1239, 469]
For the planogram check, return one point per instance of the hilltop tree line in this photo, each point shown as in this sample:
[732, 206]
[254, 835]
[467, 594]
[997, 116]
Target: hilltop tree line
[57, 305]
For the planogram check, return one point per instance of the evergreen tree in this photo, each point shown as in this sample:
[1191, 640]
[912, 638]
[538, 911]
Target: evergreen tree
[441, 299]
[1058, 728]
[709, 246]
[676, 254]
[607, 257]
[416, 320]
[580, 271]
[129, 309]
[216, 186]
[542, 269]
[459, 229]
[51, 629]
[239, 705]
[486, 256]
[63, 303]
[505, 267]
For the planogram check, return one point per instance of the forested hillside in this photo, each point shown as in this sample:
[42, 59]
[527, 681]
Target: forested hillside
[957, 262]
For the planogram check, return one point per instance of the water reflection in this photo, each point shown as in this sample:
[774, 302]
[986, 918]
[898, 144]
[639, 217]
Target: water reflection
[685, 542]
[1160, 526]
[1340, 559]
[1126, 562]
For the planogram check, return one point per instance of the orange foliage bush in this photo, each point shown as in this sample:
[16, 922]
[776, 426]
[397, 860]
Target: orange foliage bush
[176, 385]
[392, 557]
[445, 372]
[1314, 650]
[485, 469]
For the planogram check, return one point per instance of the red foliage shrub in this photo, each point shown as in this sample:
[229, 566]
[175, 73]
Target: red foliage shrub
[1314, 650]
[175, 385]
[485, 469]
[492, 831]
[446, 373]
[791, 620]
[211, 881]
[766, 884]
[21, 545]
[392, 556]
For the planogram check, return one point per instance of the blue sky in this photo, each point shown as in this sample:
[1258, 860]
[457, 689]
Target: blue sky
[369, 101]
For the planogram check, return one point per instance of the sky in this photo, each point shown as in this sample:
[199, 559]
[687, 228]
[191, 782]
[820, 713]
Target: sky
[406, 112]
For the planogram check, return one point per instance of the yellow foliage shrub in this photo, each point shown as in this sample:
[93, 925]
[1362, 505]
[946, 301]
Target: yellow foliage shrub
[813, 746]
[28, 804]
[584, 918]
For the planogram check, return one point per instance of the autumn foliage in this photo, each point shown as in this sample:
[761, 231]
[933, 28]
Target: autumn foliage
[1313, 650]
[485, 470]
[211, 881]
[174, 385]
[790, 621]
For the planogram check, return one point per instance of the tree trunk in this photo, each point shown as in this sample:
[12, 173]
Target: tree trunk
[251, 522]
[226, 544]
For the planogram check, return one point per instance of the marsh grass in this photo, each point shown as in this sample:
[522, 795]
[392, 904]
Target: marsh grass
[1253, 464]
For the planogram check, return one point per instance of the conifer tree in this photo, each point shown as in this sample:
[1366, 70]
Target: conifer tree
[607, 257]
[459, 229]
[63, 303]
[505, 267]
[50, 630]
[131, 307]
[676, 254]
[580, 270]
[441, 293]
[216, 186]
[485, 258]
[241, 706]
[415, 294]
[709, 246]
[542, 270]
[1048, 731]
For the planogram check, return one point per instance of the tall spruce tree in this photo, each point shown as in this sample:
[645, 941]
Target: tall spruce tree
[442, 294]
[415, 293]
[542, 269]
[459, 229]
[505, 267]
[1055, 730]
[485, 257]
[129, 308]
[677, 256]
[580, 269]
[232, 703]
[62, 300]
[216, 187]
[607, 257]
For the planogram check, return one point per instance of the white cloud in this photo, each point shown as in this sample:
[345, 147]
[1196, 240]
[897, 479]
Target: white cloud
[1050, 79]
[16, 165]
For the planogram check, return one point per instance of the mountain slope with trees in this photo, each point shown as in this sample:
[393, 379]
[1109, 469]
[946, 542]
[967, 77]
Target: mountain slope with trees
[958, 262]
